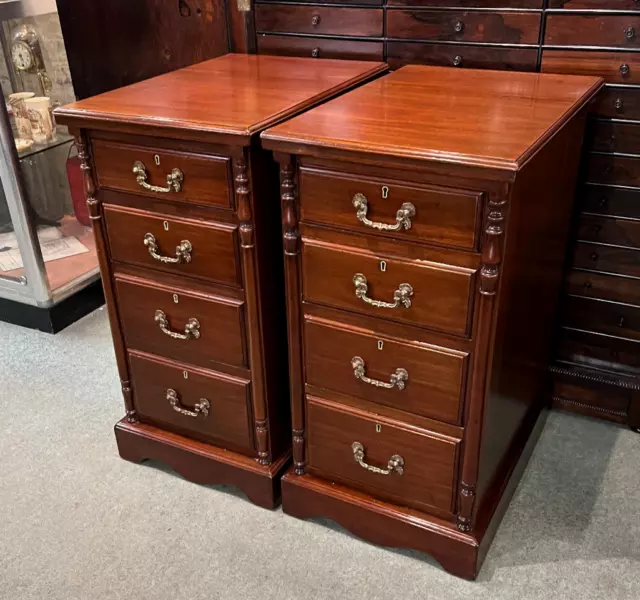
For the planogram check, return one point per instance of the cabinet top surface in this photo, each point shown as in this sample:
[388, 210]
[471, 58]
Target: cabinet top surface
[484, 118]
[235, 94]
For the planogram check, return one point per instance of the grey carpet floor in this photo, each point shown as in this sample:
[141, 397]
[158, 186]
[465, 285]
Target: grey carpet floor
[77, 522]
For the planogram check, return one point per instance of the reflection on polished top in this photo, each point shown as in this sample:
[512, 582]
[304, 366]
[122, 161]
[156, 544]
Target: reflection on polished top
[487, 118]
[234, 94]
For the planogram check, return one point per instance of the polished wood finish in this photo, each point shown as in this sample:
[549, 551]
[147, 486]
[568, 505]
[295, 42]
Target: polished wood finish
[116, 43]
[472, 57]
[321, 20]
[320, 47]
[487, 312]
[618, 103]
[614, 67]
[213, 405]
[214, 254]
[470, 3]
[438, 375]
[626, 5]
[226, 423]
[464, 26]
[444, 216]
[592, 30]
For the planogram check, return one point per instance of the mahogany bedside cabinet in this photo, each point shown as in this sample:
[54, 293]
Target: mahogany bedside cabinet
[425, 219]
[182, 201]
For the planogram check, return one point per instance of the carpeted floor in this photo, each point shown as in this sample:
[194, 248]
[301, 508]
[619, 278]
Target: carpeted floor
[77, 522]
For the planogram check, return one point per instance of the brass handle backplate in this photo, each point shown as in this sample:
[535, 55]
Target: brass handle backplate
[401, 297]
[191, 329]
[397, 379]
[183, 251]
[395, 464]
[201, 408]
[403, 216]
[174, 179]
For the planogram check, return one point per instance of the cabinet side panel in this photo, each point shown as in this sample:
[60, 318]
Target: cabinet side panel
[537, 233]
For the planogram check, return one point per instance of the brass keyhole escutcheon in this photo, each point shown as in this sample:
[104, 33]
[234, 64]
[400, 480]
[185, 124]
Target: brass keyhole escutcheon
[165, 225]
[383, 266]
[380, 344]
[176, 299]
[378, 428]
[185, 374]
[385, 192]
[156, 159]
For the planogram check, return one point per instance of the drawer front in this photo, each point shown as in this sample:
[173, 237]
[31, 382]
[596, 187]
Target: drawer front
[600, 316]
[459, 55]
[470, 3]
[610, 201]
[206, 179]
[429, 460]
[440, 296]
[630, 5]
[609, 136]
[607, 168]
[608, 230]
[610, 259]
[320, 20]
[443, 216]
[593, 30]
[464, 26]
[358, 2]
[605, 287]
[617, 102]
[211, 327]
[418, 378]
[319, 47]
[614, 67]
[213, 246]
[591, 349]
[160, 390]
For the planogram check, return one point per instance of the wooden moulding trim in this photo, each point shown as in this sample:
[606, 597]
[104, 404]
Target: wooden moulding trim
[627, 384]
[600, 409]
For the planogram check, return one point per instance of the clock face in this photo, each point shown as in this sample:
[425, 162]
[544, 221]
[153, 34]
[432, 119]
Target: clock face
[22, 56]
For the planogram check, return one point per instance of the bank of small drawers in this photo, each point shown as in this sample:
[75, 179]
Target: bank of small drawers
[178, 285]
[389, 278]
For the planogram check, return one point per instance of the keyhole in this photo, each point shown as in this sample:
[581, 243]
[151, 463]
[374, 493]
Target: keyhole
[166, 225]
[385, 192]
[185, 374]
[176, 299]
[380, 344]
[383, 266]
[156, 158]
[378, 428]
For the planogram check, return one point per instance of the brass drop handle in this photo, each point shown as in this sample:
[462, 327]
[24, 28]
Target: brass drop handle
[458, 27]
[403, 216]
[401, 297]
[191, 329]
[629, 33]
[395, 464]
[174, 179]
[183, 250]
[201, 408]
[397, 379]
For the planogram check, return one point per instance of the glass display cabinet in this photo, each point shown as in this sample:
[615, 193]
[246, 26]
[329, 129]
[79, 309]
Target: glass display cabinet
[49, 274]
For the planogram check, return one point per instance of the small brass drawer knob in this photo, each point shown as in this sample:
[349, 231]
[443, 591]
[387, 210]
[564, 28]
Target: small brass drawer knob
[191, 329]
[315, 53]
[201, 408]
[618, 104]
[397, 379]
[315, 20]
[174, 179]
[457, 61]
[395, 464]
[401, 297]
[458, 27]
[183, 251]
[624, 69]
[629, 33]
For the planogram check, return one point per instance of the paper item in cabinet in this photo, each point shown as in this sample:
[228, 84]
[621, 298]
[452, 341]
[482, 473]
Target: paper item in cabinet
[45, 234]
[53, 250]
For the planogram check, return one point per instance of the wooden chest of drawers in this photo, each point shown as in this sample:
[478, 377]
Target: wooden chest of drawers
[423, 262]
[184, 205]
